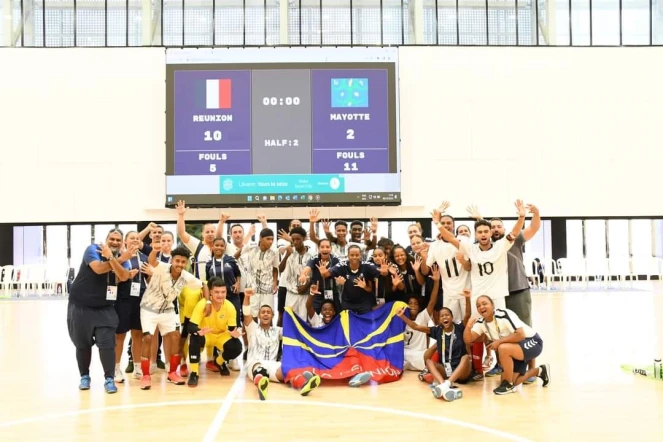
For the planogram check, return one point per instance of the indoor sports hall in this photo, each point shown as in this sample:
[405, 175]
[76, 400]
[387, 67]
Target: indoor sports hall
[331, 220]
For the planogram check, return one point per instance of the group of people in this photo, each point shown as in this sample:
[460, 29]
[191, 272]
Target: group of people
[470, 297]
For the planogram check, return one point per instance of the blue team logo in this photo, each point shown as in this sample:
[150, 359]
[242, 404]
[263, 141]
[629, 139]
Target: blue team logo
[349, 92]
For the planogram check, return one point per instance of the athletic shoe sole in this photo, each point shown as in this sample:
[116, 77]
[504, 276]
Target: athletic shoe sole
[310, 385]
[262, 388]
[359, 379]
[546, 381]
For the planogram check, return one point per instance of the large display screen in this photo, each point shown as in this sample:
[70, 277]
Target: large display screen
[282, 126]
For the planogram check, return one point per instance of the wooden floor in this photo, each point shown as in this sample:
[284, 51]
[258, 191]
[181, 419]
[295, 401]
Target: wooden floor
[587, 336]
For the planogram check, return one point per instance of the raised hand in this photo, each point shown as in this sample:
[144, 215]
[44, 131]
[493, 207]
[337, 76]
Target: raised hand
[326, 225]
[248, 292]
[435, 276]
[237, 333]
[360, 282]
[314, 289]
[396, 279]
[367, 234]
[417, 263]
[531, 208]
[436, 215]
[285, 236]
[314, 215]
[374, 225]
[252, 229]
[224, 217]
[322, 265]
[522, 210]
[401, 312]
[105, 251]
[146, 269]
[181, 207]
[340, 280]
[262, 218]
[473, 210]
[444, 206]
[467, 293]
[384, 269]
[393, 269]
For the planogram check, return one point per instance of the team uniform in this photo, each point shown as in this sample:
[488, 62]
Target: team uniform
[293, 268]
[504, 323]
[129, 295]
[416, 343]
[355, 298]
[201, 253]
[263, 349]
[520, 298]
[260, 266]
[228, 269]
[327, 286]
[450, 347]
[156, 307]
[342, 251]
[489, 273]
[454, 277]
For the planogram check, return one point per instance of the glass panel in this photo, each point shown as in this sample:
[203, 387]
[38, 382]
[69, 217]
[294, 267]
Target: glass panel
[101, 232]
[618, 238]
[573, 239]
[56, 247]
[472, 23]
[562, 23]
[635, 22]
[28, 245]
[658, 236]
[399, 232]
[538, 246]
[80, 239]
[18, 246]
[641, 237]
[605, 21]
[580, 22]
[502, 23]
[336, 22]
[595, 238]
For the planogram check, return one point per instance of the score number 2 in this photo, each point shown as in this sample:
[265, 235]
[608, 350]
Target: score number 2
[350, 167]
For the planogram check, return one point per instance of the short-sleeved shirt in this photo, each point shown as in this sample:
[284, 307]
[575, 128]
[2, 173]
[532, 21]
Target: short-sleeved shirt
[489, 272]
[218, 320]
[452, 351]
[200, 256]
[124, 288]
[225, 268]
[416, 340]
[293, 269]
[355, 298]
[454, 277]
[263, 343]
[504, 323]
[162, 290]
[259, 266]
[89, 289]
[517, 275]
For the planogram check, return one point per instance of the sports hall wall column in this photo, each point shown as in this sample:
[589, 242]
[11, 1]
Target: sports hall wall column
[558, 238]
[6, 244]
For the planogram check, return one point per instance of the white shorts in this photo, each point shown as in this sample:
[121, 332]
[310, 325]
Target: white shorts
[271, 366]
[167, 322]
[297, 303]
[457, 307]
[414, 360]
[499, 303]
[258, 300]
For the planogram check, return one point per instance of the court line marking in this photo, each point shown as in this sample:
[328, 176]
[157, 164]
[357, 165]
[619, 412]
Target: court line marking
[217, 423]
[439, 419]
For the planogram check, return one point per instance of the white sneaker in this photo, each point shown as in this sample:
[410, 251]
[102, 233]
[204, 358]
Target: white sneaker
[234, 365]
[119, 376]
[138, 373]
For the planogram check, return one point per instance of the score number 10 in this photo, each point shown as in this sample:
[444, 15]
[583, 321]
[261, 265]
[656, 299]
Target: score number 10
[350, 167]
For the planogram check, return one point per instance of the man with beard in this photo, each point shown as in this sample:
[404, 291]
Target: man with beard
[91, 316]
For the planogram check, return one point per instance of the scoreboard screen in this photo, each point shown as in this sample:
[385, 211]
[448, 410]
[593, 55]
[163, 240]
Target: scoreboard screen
[282, 127]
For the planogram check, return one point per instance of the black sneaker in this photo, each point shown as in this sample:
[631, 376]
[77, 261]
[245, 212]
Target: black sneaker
[223, 369]
[193, 380]
[160, 364]
[504, 388]
[544, 374]
[130, 367]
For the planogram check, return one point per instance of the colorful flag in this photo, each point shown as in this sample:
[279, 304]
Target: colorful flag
[348, 345]
[215, 94]
[349, 92]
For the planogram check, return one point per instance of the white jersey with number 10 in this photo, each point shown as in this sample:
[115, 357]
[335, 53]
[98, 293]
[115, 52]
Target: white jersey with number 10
[489, 272]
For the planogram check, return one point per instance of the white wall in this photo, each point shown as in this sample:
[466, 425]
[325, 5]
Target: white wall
[573, 130]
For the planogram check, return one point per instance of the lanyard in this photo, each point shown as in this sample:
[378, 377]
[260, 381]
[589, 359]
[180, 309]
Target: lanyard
[451, 345]
[497, 327]
[214, 266]
[131, 267]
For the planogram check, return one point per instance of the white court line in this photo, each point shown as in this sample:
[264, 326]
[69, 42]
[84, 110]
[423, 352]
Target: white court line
[217, 423]
[440, 419]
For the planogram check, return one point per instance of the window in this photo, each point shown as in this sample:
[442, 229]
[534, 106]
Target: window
[80, 238]
[641, 237]
[595, 238]
[101, 232]
[28, 245]
[574, 241]
[56, 248]
[540, 246]
[399, 232]
[618, 238]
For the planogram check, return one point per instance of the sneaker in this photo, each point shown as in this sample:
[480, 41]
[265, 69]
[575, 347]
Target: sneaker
[223, 369]
[184, 370]
[109, 385]
[476, 376]
[443, 391]
[262, 382]
[174, 378]
[359, 379]
[307, 375]
[544, 374]
[426, 376]
[311, 384]
[130, 367]
[488, 362]
[504, 388]
[529, 380]
[494, 372]
[234, 365]
[119, 377]
[146, 382]
[457, 392]
[85, 383]
[160, 364]
[211, 366]
[138, 373]
[193, 380]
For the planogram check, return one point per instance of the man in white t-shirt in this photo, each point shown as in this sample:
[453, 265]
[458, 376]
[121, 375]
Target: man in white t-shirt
[489, 273]
[261, 262]
[454, 269]
[295, 260]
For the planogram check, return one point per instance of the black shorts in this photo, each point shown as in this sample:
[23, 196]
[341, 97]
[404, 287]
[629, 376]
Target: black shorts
[532, 348]
[128, 314]
[184, 329]
[90, 326]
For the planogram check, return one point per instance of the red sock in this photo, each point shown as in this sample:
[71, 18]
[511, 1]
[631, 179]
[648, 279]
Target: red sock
[174, 363]
[257, 378]
[145, 366]
[477, 356]
[298, 382]
[436, 357]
